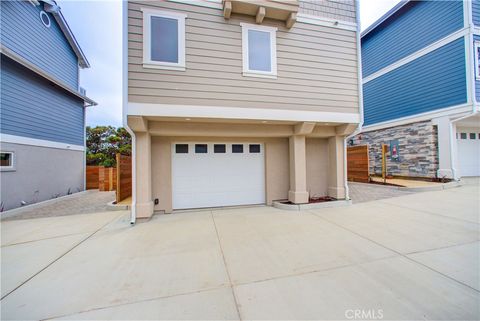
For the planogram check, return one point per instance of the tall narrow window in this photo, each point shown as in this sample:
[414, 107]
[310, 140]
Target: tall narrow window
[259, 51]
[477, 57]
[163, 39]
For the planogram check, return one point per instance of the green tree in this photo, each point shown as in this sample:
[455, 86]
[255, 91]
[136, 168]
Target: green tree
[104, 142]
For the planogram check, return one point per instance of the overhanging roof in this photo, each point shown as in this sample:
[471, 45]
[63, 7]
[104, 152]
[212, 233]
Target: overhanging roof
[383, 18]
[52, 7]
[15, 57]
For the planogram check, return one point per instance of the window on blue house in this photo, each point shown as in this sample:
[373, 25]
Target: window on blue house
[477, 57]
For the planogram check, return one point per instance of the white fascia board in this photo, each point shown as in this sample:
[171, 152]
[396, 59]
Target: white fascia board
[21, 140]
[191, 111]
[422, 52]
[448, 111]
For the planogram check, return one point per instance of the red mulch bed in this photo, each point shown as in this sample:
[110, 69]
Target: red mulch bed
[311, 200]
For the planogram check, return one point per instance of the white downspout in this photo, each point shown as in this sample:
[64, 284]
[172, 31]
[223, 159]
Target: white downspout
[360, 97]
[133, 216]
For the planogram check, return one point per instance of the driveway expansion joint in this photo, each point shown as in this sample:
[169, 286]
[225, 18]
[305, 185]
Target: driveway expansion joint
[427, 212]
[226, 267]
[61, 256]
[399, 253]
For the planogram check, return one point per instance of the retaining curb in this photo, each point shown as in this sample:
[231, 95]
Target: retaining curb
[311, 206]
[116, 207]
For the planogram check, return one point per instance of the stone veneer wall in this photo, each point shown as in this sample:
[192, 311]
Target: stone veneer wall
[418, 149]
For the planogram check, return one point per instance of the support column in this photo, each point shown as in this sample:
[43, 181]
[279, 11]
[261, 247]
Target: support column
[298, 171]
[336, 167]
[446, 147]
[144, 203]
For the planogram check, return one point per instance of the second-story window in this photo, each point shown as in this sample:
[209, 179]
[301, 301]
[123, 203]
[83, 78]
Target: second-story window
[163, 39]
[259, 51]
[477, 59]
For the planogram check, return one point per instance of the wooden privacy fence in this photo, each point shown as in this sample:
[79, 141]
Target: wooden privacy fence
[92, 174]
[124, 177]
[117, 179]
[357, 164]
[107, 179]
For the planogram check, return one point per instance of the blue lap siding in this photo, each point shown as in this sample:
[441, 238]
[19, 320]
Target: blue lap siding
[476, 12]
[33, 107]
[434, 81]
[413, 27]
[23, 32]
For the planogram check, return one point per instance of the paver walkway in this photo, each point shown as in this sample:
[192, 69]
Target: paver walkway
[91, 201]
[361, 192]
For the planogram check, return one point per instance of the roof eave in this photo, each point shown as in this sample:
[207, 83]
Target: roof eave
[17, 58]
[52, 7]
[383, 18]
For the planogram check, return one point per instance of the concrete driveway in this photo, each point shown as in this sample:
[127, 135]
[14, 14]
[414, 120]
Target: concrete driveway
[410, 257]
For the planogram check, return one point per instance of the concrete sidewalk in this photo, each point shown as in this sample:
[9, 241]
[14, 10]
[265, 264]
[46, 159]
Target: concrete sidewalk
[410, 257]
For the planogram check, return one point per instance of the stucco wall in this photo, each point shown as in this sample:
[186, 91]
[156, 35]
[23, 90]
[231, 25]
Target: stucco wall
[41, 173]
[317, 166]
[418, 149]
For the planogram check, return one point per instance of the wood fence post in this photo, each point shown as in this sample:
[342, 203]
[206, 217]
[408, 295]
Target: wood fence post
[117, 189]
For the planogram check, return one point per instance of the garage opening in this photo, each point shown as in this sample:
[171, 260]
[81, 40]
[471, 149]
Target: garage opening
[468, 143]
[217, 174]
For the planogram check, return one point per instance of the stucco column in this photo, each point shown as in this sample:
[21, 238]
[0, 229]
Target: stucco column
[298, 171]
[336, 167]
[446, 147]
[144, 203]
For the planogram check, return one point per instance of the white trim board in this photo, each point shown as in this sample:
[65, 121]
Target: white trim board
[191, 111]
[148, 14]
[422, 52]
[272, 32]
[448, 111]
[12, 139]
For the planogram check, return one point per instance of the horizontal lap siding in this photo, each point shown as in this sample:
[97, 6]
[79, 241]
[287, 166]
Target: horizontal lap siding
[476, 12]
[434, 81]
[317, 68]
[23, 32]
[415, 26]
[33, 107]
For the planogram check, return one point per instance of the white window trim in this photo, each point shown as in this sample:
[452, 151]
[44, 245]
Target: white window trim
[12, 166]
[43, 13]
[476, 46]
[147, 61]
[273, 53]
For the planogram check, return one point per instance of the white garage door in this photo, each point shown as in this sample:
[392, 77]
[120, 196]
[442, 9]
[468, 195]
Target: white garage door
[469, 153]
[217, 174]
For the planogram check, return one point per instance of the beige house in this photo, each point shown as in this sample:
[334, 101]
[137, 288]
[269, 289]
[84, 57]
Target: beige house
[239, 102]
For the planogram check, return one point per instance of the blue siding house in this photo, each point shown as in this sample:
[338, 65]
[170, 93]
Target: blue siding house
[42, 106]
[421, 84]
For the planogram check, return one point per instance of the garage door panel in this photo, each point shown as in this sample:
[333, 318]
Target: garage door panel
[468, 144]
[217, 179]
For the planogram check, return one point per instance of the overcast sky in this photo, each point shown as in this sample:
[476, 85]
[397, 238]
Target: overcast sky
[97, 27]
